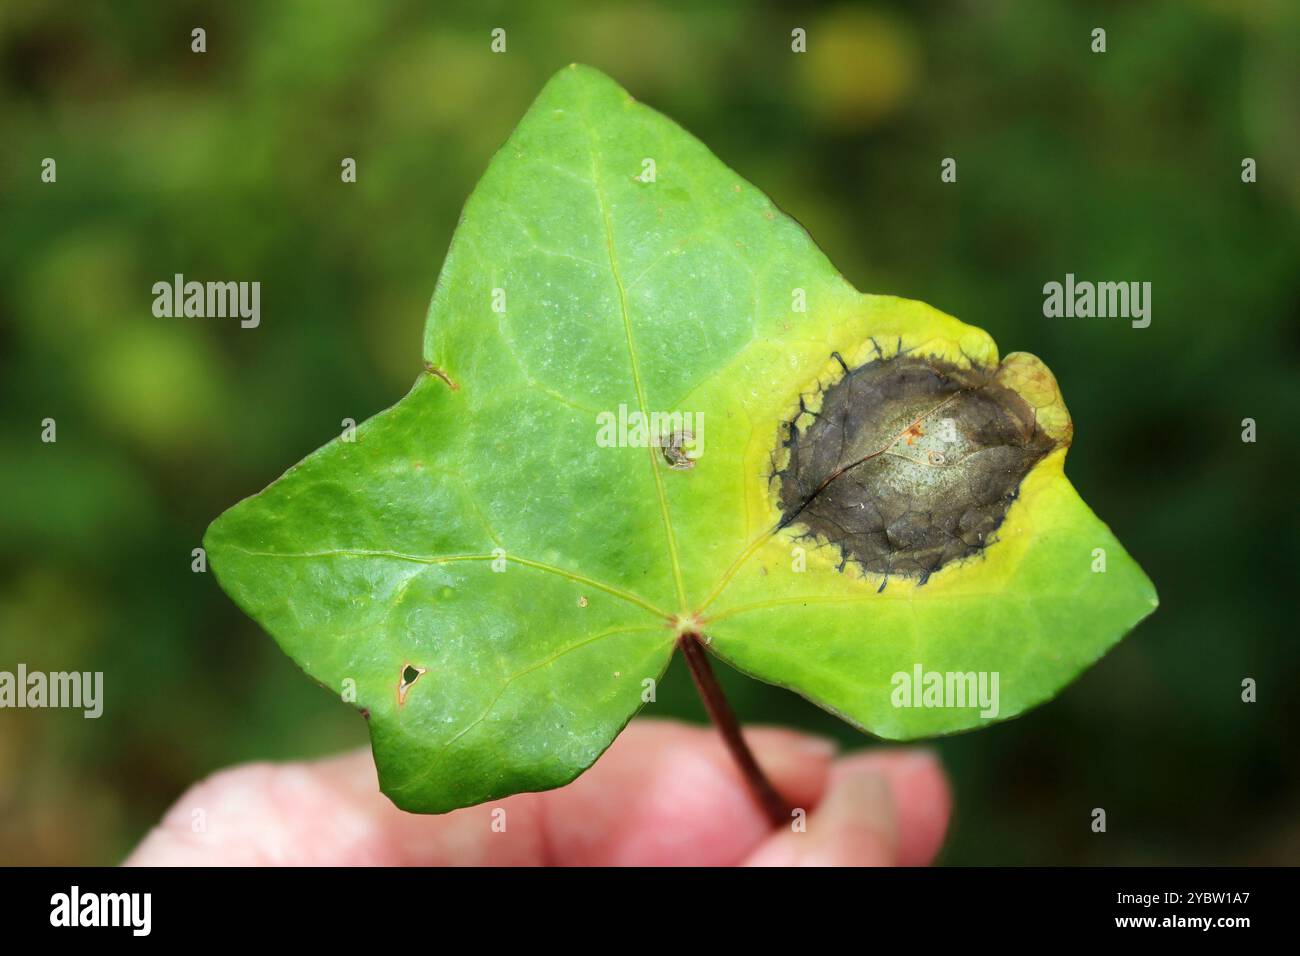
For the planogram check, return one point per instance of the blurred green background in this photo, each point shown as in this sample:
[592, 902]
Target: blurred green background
[1122, 166]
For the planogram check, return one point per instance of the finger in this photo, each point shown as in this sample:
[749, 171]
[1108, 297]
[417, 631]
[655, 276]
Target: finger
[321, 813]
[922, 797]
[881, 809]
[663, 793]
[669, 793]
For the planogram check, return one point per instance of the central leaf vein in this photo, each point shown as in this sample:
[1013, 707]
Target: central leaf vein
[598, 184]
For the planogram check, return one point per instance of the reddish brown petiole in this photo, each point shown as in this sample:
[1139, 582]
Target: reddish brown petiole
[715, 702]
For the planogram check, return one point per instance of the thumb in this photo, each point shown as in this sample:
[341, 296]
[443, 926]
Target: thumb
[880, 809]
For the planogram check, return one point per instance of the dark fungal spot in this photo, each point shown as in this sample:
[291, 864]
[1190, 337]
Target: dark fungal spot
[673, 452]
[909, 463]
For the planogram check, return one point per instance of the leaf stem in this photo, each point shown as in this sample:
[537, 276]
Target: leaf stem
[724, 718]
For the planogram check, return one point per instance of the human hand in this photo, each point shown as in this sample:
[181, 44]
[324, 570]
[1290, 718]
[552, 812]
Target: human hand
[663, 794]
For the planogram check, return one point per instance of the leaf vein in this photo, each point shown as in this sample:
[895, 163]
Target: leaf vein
[599, 186]
[611, 589]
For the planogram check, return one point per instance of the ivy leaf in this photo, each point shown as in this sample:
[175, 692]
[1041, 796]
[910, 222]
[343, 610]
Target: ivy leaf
[651, 407]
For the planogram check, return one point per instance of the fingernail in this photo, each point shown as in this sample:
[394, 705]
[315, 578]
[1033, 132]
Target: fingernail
[868, 788]
[868, 798]
[917, 758]
[818, 746]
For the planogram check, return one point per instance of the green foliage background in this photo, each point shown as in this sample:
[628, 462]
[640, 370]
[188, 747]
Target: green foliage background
[226, 166]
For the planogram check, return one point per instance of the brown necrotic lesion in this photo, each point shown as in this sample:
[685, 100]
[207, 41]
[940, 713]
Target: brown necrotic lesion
[908, 464]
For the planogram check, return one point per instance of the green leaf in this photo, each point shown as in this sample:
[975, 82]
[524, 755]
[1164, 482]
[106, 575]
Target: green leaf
[497, 588]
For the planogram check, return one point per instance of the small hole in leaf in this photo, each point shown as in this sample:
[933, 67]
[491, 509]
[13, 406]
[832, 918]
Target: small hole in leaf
[410, 674]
